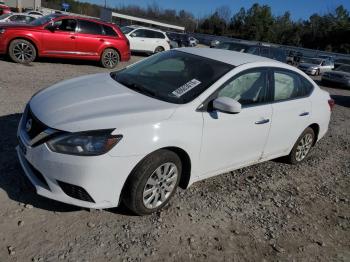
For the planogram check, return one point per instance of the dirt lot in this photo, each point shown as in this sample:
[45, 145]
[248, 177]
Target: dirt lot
[269, 212]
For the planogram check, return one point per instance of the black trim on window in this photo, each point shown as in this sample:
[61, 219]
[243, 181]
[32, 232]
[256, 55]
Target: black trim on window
[206, 106]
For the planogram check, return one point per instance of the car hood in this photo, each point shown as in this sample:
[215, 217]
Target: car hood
[96, 102]
[16, 25]
[307, 65]
[339, 73]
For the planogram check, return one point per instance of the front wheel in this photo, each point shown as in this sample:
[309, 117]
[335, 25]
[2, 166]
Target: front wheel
[22, 51]
[153, 183]
[158, 49]
[110, 58]
[302, 147]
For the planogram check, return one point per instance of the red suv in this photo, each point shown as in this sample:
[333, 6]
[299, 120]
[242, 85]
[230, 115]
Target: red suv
[62, 36]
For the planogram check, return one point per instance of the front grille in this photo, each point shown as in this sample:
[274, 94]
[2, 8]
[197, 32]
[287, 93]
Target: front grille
[76, 192]
[38, 175]
[36, 126]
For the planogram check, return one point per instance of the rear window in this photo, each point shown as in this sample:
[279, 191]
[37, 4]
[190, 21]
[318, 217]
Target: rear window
[88, 27]
[109, 31]
[172, 76]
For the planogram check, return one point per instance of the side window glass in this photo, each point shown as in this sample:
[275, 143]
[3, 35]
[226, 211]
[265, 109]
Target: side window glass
[109, 31]
[68, 25]
[287, 86]
[307, 86]
[13, 18]
[139, 33]
[88, 27]
[150, 34]
[249, 88]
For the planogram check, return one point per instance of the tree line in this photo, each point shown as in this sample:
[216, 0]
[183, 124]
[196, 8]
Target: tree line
[329, 32]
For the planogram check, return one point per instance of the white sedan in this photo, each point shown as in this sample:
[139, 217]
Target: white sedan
[170, 120]
[20, 18]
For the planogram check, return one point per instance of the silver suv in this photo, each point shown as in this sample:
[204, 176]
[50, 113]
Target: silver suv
[315, 66]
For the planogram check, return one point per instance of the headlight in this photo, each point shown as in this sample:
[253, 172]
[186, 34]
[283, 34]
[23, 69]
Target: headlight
[90, 143]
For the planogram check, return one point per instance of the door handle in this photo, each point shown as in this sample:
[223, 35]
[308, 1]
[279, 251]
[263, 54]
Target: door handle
[72, 37]
[102, 40]
[304, 114]
[264, 121]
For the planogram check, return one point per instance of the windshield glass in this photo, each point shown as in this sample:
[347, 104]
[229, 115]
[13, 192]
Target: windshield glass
[313, 61]
[232, 47]
[4, 16]
[344, 68]
[126, 29]
[45, 19]
[172, 76]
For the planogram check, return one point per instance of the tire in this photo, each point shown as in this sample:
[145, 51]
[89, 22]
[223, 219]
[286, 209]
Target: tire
[110, 58]
[298, 153]
[22, 51]
[139, 195]
[159, 49]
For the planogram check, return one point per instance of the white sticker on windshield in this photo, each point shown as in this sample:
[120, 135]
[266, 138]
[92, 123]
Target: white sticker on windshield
[186, 87]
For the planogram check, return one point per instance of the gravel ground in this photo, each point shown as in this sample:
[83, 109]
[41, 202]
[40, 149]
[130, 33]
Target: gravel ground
[268, 212]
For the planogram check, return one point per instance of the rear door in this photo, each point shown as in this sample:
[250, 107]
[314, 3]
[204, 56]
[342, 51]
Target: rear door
[291, 112]
[90, 38]
[60, 41]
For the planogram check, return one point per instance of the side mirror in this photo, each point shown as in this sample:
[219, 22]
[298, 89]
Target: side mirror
[51, 26]
[227, 105]
[132, 34]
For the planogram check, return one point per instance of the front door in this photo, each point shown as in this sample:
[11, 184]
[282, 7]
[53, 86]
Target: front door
[61, 40]
[234, 140]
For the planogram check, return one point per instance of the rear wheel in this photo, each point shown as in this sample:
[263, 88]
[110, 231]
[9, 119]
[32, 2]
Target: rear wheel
[153, 182]
[22, 51]
[302, 147]
[159, 49]
[110, 58]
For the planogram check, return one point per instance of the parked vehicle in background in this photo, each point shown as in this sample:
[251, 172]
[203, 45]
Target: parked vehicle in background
[341, 61]
[36, 14]
[64, 36]
[233, 46]
[182, 40]
[274, 53]
[214, 43]
[147, 40]
[193, 41]
[20, 18]
[293, 57]
[315, 66]
[4, 9]
[135, 135]
[340, 76]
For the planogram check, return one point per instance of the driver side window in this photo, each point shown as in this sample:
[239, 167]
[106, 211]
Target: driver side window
[247, 89]
[67, 25]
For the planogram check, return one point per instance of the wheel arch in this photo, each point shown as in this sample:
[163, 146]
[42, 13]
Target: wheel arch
[110, 47]
[316, 128]
[29, 39]
[186, 167]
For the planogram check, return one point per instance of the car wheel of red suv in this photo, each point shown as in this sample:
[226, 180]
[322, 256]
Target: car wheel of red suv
[22, 51]
[109, 58]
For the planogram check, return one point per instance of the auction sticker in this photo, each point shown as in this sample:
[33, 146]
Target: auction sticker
[186, 87]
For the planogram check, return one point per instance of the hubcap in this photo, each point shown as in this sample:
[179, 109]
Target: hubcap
[160, 185]
[304, 147]
[110, 59]
[23, 52]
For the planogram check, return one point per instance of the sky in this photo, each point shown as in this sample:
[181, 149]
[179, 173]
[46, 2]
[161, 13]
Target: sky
[300, 9]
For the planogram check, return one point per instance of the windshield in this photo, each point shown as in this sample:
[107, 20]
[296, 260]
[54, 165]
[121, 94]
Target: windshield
[4, 16]
[45, 19]
[126, 29]
[232, 47]
[344, 68]
[172, 76]
[313, 61]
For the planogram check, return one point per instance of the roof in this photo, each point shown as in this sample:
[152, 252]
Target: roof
[226, 56]
[144, 27]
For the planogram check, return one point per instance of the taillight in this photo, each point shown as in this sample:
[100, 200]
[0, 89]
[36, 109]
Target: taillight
[331, 104]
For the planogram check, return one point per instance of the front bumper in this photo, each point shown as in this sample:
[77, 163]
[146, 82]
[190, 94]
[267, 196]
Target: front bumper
[101, 177]
[309, 71]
